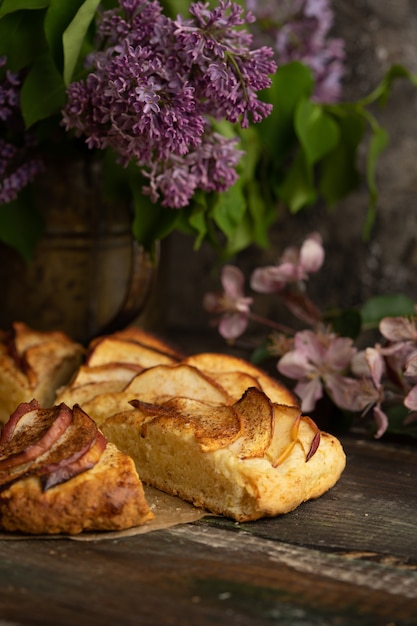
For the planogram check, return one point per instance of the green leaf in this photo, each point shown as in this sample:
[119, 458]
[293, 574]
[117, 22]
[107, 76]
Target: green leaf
[298, 189]
[239, 239]
[174, 7]
[252, 146]
[377, 144]
[197, 221]
[347, 323]
[58, 17]
[11, 6]
[260, 354]
[317, 131]
[262, 214]
[382, 90]
[291, 83]
[229, 208]
[21, 225]
[43, 92]
[192, 220]
[338, 173]
[74, 35]
[396, 417]
[394, 305]
[22, 38]
[151, 222]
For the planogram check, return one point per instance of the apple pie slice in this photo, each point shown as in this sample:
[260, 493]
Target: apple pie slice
[246, 460]
[59, 474]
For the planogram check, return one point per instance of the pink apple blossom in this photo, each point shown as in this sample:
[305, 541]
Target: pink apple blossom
[401, 334]
[317, 359]
[410, 400]
[294, 266]
[231, 307]
[366, 393]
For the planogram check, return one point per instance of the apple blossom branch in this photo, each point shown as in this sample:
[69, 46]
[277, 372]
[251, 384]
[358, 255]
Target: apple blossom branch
[371, 381]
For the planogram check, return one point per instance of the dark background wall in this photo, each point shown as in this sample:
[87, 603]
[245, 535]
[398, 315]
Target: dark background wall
[377, 33]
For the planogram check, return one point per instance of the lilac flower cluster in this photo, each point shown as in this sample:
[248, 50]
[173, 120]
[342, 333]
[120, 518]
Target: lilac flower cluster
[18, 166]
[155, 85]
[321, 361]
[298, 30]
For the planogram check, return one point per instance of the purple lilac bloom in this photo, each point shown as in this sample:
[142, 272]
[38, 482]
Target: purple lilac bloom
[210, 167]
[154, 86]
[18, 167]
[298, 30]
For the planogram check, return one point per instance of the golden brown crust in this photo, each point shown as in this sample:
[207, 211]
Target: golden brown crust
[245, 476]
[218, 365]
[113, 361]
[155, 385]
[108, 497]
[34, 364]
[211, 428]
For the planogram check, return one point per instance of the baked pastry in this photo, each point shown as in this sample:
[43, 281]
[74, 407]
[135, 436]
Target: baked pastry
[250, 459]
[156, 385]
[112, 361]
[226, 370]
[131, 345]
[59, 474]
[210, 377]
[34, 364]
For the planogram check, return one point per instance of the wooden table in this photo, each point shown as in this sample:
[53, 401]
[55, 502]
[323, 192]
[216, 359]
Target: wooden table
[348, 558]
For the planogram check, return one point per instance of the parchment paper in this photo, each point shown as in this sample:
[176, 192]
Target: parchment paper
[168, 511]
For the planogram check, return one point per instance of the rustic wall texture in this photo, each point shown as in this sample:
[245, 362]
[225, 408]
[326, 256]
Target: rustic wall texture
[377, 33]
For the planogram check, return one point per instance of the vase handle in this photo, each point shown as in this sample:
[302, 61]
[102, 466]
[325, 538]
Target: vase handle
[142, 276]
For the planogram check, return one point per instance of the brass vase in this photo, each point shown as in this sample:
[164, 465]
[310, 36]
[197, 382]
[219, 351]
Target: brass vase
[87, 276]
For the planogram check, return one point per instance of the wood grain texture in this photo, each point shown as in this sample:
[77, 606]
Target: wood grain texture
[371, 511]
[347, 559]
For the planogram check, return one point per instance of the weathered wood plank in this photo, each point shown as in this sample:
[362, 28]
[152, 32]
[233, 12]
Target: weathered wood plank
[371, 513]
[346, 558]
[200, 576]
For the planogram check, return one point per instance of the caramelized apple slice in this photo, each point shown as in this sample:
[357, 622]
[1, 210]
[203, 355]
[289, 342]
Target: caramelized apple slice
[162, 382]
[234, 382]
[42, 428]
[219, 362]
[155, 386]
[214, 426]
[257, 417]
[75, 441]
[69, 468]
[122, 372]
[114, 350]
[10, 426]
[287, 425]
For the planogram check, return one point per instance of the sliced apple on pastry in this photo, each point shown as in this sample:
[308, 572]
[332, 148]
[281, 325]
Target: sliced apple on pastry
[212, 429]
[90, 382]
[149, 340]
[256, 414]
[131, 346]
[34, 364]
[218, 365]
[246, 460]
[59, 474]
[156, 385]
